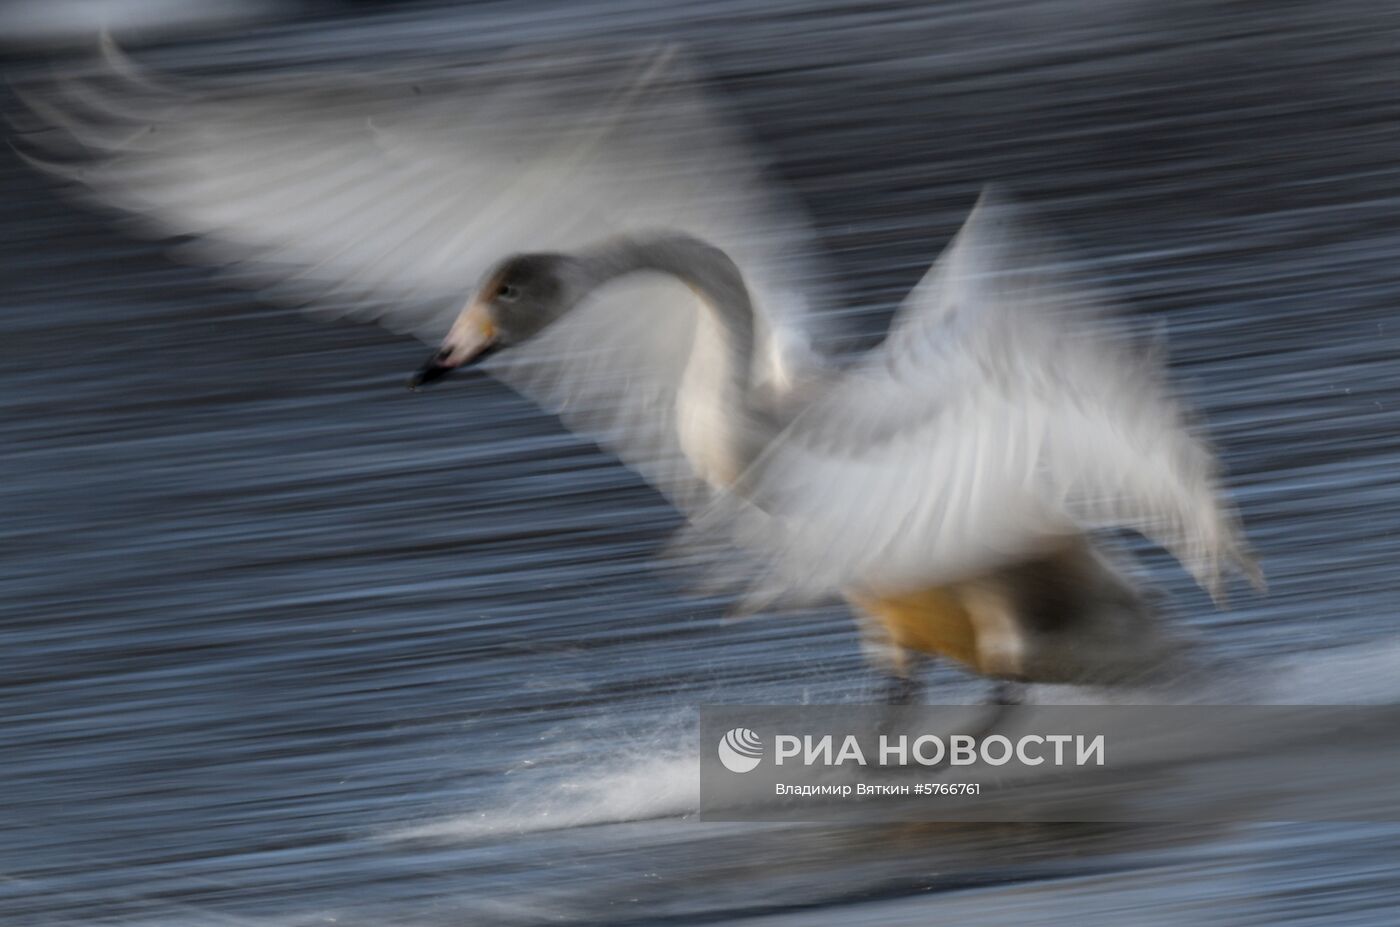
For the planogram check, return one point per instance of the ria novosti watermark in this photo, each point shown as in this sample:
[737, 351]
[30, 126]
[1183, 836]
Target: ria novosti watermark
[741, 750]
[1050, 763]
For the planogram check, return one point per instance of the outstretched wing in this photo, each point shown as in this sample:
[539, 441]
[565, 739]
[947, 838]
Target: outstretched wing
[1001, 413]
[387, 196]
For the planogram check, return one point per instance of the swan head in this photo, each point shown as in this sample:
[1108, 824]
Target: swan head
[516, 299]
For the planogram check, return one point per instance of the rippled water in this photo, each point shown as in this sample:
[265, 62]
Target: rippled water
[283, 644]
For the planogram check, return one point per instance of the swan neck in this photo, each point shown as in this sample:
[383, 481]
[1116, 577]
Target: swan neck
[719, 428]
[707, 270]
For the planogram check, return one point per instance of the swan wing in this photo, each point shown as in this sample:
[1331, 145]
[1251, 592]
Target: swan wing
[386, 197]
[1003, 411]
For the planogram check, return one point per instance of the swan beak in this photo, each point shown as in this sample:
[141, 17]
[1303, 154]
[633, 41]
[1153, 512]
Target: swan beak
[472, 337]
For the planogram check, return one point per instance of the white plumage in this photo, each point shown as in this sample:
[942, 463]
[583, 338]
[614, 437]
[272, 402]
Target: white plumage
[1001, 414]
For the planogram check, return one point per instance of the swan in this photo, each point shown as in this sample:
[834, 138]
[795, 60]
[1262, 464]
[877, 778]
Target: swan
[633, 271]
[945, 485]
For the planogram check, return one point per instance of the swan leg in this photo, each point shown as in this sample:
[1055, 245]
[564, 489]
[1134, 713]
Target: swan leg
[898, 632]
[895, 629]
[1061, 616]
[903, 689]
[1007, 692]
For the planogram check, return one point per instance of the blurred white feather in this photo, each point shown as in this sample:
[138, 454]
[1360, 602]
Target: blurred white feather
[1004, 412]
[388, 196]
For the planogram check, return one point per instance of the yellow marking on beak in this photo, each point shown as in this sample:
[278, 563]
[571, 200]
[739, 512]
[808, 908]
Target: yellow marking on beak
[473, 332]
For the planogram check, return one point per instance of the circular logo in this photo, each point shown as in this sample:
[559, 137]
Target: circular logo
[740, 750]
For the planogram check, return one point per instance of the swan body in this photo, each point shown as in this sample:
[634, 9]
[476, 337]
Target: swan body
[1004, 578]
[632, 272]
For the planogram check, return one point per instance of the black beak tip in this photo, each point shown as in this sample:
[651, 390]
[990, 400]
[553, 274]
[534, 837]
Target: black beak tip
[429, 372]
[435, 369]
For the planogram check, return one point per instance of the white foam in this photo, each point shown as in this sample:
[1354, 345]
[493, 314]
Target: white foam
[658, 777]
[1359, 674]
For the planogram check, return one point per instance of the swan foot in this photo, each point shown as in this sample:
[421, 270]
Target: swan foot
[902, 689]
[1007, 692]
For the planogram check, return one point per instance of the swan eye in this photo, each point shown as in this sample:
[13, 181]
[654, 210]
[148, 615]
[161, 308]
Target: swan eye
[508, 293]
